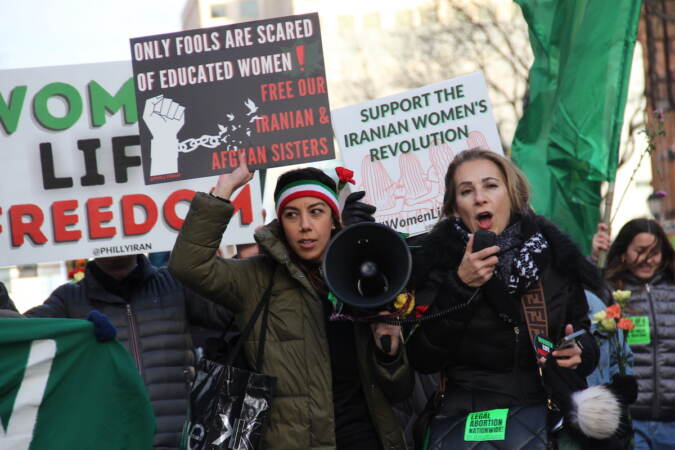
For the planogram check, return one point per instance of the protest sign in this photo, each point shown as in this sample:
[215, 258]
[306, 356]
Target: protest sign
[71, 183]
[256, 87]
[63, 389]
[399, 147]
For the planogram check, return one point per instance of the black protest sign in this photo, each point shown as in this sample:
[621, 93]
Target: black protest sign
[255, 87]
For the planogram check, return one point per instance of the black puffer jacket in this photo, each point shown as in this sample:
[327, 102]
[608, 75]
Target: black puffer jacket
[654, 363]
[485, 348]
[154, 326]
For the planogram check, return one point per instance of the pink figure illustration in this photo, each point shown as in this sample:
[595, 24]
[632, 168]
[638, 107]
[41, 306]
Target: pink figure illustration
[378, 184]
[477, 139]
[440, 157]
[412, 177]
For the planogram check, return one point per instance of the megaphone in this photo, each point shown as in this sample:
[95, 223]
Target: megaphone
[367, 265]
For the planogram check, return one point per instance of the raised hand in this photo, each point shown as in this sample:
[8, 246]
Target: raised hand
[229, 182]
[477, 268]
[163, 117]
[356, 211]
[601, 241]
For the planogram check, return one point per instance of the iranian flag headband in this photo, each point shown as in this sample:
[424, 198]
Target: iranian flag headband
[307, 188]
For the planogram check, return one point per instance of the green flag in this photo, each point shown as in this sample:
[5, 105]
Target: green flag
[61, 389]
[567, 141]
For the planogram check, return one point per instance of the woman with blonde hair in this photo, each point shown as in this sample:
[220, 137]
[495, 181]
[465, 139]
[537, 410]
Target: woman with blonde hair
[483, 344]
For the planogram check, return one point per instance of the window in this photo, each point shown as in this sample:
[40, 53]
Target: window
[219, 10]
[371, 20]
[248, 9]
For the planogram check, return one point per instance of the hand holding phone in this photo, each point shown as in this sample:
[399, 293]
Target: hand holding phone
[569, 340]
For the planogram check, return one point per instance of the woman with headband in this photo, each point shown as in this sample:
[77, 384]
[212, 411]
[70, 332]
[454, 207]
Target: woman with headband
[331, 376]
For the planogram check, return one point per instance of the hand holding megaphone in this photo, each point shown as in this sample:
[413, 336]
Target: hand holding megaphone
[386, 336]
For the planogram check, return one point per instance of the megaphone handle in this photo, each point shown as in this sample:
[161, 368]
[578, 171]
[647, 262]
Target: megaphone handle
[385, 342]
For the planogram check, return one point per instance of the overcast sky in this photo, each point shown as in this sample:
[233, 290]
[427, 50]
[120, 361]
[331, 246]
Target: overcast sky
[37, 33]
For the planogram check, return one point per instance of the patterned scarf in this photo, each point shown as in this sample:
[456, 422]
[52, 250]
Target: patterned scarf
[517, 265]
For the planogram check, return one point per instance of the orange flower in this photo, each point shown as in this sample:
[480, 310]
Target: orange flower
[625, 324]
[613, 311]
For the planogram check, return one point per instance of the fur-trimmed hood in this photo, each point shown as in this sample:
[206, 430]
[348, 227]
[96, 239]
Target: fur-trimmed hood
[443, 248]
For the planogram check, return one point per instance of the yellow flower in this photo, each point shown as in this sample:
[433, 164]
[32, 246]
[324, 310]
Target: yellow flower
[401, 300]
[600, 316]
[608, 324]
[620, 296]
[78, 276]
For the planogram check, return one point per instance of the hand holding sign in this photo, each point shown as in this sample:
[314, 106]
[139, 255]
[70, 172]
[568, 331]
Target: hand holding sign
[230, 182]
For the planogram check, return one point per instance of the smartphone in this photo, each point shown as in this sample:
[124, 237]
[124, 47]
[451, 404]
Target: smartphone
[569, 340]
[483, 239]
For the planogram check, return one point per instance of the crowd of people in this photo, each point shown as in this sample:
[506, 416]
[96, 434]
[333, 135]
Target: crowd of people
[499, 311]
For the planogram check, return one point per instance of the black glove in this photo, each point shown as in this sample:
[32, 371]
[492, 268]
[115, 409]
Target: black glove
[104, 330]
[355, 211]
[625, 387]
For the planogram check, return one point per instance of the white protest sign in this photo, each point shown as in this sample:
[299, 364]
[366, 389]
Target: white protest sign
[72, 184]
[400, 146]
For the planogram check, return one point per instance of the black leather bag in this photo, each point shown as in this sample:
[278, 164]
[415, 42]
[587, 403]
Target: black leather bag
[526, 429]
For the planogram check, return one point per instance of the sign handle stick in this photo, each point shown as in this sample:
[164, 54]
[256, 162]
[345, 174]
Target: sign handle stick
[607, 219]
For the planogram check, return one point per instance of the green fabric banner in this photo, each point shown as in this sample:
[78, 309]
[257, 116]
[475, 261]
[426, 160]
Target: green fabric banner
[567, 141]
[61, 389]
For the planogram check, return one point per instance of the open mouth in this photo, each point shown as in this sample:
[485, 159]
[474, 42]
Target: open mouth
[307, 243]
[484, 220]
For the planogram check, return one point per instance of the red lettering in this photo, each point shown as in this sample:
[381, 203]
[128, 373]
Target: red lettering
[129, 224]
[215, 161]
[276, 91]
[95, 217]
[242, 202]
[169, 209]
[31, 228]
[61, 221]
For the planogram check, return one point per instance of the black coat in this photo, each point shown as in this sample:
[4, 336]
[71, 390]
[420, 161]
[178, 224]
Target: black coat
[5, 301]
[485, 348]
[154, 325]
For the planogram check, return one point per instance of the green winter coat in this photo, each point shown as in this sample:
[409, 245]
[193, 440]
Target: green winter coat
[296, 350]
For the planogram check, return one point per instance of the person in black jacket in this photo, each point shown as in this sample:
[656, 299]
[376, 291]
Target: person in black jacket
[483, 347]
[152, 312]
[7, 308]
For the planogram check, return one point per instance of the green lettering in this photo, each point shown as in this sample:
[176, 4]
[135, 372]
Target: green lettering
[73, 101]
[9, 115]
[101, 101]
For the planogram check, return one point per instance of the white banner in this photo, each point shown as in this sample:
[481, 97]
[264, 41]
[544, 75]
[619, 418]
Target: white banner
[400, 146]
[71, 180]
